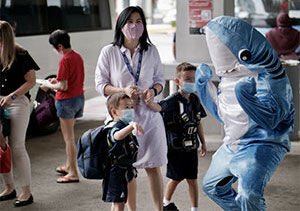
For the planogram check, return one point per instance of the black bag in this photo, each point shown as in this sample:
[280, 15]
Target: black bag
[92, 153]
[45, 112]
[5, 121]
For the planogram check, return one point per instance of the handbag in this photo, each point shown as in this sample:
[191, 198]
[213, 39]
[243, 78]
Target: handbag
[45, 112]
[5, 160]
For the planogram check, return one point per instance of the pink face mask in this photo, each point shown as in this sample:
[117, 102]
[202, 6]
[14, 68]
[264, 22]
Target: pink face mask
[133, 30]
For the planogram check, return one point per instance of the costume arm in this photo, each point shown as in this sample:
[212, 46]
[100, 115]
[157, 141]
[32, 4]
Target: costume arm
[264, 110]
[206, 89]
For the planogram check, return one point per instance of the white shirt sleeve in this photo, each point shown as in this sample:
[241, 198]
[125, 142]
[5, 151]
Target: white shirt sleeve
[102, 72]
[158, 76]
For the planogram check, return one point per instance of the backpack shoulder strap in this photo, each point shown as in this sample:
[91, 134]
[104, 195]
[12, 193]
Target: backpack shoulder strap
[195, 101]
[110, 124]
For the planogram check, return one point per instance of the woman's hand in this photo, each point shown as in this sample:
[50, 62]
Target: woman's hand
[137, 127]
[132, 91]
[149, 101]
[44, 87]
[148, 95]
[6, 101]
[53, 80]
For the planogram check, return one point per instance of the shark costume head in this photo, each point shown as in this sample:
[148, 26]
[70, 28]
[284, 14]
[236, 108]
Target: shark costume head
[254, 95]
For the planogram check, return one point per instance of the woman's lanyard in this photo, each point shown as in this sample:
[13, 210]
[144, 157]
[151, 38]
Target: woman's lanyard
[138, 70]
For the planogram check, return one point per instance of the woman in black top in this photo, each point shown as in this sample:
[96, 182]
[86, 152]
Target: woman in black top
[17, 77]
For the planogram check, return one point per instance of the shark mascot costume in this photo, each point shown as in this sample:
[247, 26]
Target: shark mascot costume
[253, 101]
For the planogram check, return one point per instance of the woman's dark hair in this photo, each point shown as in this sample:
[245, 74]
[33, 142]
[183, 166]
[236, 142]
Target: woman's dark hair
[121, 21]
[60, 37]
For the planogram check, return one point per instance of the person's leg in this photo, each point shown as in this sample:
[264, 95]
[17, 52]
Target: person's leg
[156, 186]
[19, 118]
[193, 191]
[170, 189]
[116, 206]
[254, 167]
[131, 200]
[67, 128]
[2, 142]
[8, 187]
[218, 180]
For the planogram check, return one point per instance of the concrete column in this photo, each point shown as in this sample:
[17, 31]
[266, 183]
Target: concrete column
[193, 48]
[148, 11]
[172, 87]
[293, 72]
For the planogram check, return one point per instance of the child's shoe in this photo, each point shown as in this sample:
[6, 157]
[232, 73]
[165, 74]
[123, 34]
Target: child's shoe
[170, 207]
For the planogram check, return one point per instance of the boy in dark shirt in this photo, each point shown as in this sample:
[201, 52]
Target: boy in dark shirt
[122, 150]
[182, 113]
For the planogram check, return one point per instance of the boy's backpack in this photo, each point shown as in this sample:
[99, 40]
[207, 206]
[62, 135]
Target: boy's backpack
[181, 131]
[92, 153]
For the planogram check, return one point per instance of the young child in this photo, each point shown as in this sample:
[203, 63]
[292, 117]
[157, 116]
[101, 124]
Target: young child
[182, 113]
[69, 99]
[122, 149]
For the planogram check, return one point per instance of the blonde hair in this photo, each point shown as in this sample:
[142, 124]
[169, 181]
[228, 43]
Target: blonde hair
[8, 50]
[113, 101]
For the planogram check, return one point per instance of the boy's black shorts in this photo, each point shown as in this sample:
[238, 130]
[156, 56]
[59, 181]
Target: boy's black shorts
[117, 186]
[182, 165]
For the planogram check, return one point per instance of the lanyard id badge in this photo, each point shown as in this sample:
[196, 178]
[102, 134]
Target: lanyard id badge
[137, 76]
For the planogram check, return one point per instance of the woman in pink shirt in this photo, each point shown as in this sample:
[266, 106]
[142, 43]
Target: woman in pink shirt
[131, 64]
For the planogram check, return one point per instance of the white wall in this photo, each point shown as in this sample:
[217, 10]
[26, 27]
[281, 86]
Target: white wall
[193, 48]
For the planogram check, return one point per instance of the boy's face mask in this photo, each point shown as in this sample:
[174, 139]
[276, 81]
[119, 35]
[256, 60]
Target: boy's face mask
[128, 115]
[188, 87]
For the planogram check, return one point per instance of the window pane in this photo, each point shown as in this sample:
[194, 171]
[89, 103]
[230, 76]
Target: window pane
[44, 16]
[78, 15]
[263, 13]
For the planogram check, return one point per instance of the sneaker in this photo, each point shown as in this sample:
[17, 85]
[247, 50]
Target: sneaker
[170, 207]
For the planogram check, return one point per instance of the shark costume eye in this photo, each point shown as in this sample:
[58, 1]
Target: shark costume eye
[244, 55]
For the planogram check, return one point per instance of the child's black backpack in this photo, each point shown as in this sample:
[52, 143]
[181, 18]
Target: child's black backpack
[92, 153]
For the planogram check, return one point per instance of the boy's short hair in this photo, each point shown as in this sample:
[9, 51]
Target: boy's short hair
[113, 101]
[60, 37]
[185, 66]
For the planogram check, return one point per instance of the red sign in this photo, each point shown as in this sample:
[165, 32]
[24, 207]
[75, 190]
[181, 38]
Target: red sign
[200, 13]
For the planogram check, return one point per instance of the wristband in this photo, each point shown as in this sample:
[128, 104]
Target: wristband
[155, 91]
[13, 97]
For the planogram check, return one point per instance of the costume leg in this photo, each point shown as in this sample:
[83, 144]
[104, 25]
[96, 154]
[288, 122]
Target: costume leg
[218, 180]
[254, 165]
